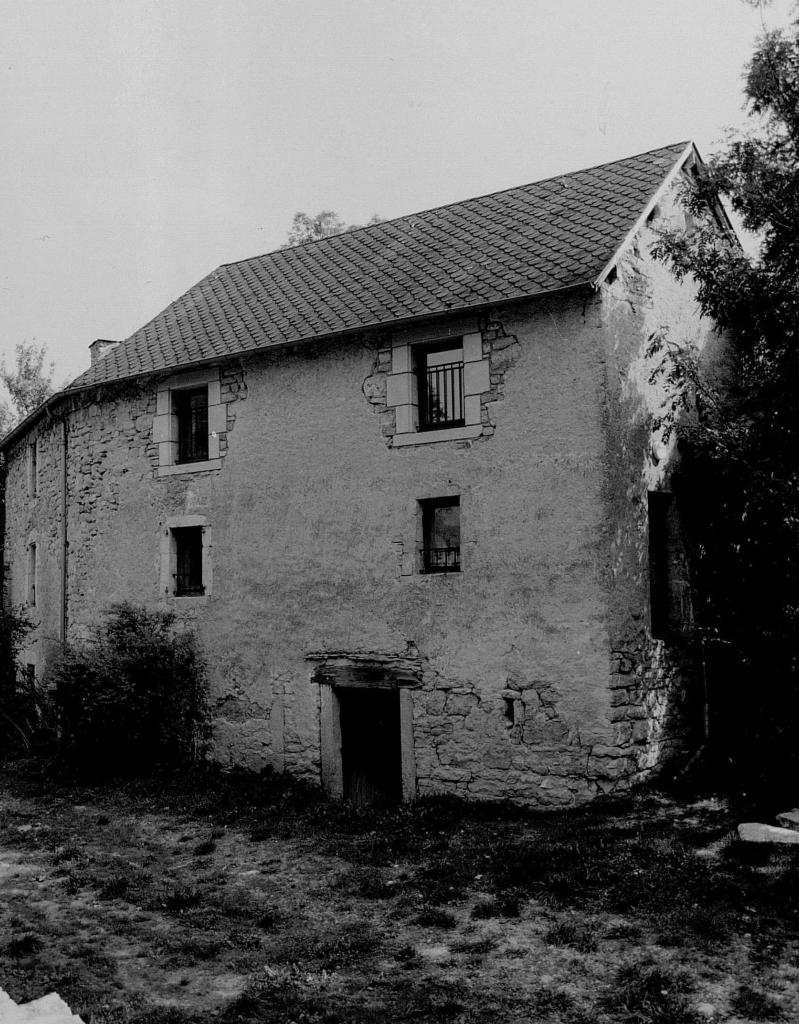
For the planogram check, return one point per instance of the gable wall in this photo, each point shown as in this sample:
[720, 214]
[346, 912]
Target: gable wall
[656, 685]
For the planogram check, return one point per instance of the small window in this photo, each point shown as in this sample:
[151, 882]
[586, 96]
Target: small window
[32, 575]
[33, 469]
[439, 375]
[660, 564]
[188, 561]
[190, 407]
[441, 532]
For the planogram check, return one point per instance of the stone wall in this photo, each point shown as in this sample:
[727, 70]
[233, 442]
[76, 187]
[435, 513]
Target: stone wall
[538, 679]
[656, 686]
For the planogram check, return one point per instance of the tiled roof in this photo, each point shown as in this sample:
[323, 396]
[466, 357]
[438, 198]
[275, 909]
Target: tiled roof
[524, 241]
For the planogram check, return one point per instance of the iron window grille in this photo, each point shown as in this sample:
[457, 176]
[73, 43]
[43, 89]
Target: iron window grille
[441, 559]
[441, 532]
[191, 411]
[440, 387]
[188, 561]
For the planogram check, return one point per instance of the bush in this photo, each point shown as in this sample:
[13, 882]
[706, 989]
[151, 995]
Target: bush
[133, 696]
[24, 709]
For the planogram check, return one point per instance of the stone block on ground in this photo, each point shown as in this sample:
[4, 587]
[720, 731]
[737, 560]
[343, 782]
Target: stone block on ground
[789, 819]
[49, 1009]
[754, 832]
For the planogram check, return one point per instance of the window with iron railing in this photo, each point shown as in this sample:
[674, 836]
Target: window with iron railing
[441, 532]
[190, 407]
[188, 574]
[439, 374]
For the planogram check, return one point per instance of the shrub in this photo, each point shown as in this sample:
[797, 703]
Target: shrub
[133, 696]
[24, 709]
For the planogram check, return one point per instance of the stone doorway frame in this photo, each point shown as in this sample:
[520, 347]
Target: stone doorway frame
[337, 672]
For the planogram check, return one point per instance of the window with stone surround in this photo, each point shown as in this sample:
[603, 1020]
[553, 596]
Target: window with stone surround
[190, 416]
[188, 561]
[186, 557]
[435, 388]
[441, 535]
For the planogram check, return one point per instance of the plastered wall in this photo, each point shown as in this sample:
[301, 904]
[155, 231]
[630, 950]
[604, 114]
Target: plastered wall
[656, 687]
[539, 680]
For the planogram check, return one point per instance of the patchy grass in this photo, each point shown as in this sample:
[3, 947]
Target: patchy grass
[755, 1004]
[649, 994]
[568, 933]
[174, 900]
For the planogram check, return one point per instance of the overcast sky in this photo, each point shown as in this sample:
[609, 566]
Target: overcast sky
[147, 141]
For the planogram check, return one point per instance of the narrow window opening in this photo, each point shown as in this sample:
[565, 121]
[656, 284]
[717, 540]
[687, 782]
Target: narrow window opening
[32, 575]
[510, 710]
[439, 376]
[190, 407]
[33, 469]
[188, 561]
[659, 508]
[441, 533]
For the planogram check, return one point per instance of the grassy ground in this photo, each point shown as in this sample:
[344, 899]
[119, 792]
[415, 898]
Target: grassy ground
[177, 901]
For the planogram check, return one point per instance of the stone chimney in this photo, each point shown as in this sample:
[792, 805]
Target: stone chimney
[100, 348]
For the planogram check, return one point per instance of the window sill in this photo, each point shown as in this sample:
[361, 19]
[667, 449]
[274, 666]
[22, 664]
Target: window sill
[190, 467]
[419, 575]
[434, 436]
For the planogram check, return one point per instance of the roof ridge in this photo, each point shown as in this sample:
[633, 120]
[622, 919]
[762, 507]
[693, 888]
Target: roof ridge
[526, 240]
[456, 202]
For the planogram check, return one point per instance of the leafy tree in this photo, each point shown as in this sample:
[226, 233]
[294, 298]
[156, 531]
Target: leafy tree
[29, 382]
[324, 225]
[738, 479]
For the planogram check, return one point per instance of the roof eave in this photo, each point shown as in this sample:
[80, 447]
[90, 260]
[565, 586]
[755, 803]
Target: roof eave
[24, 425]
[58, 396]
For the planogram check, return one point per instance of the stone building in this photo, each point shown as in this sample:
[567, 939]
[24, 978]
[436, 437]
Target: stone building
[405, 485]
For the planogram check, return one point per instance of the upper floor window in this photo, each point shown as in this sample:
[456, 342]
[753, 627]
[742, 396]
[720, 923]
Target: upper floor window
[33, 469]
[188, 541]
[190, 422]
[441, 534]
[436, 388]
[186, 557]
[191, 412]
[439, 375]
[32, 575]
[669, 584]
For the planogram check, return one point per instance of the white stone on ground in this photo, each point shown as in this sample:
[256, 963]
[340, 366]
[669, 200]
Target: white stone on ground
[789, 819]
[753, 832]
[50, 1009]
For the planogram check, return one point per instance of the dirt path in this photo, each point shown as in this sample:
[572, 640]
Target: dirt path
[134, 909]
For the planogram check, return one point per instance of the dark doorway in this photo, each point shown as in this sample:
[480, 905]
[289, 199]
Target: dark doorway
[370, 745]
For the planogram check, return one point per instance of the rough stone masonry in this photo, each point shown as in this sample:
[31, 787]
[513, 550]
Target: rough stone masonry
[532, 674]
